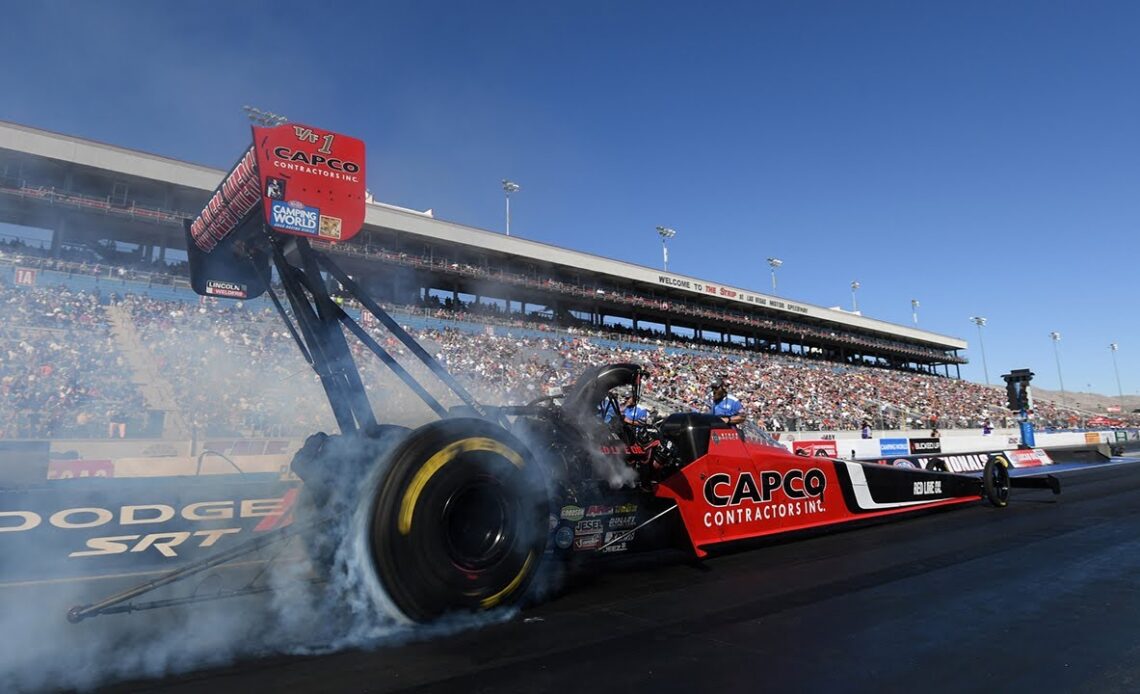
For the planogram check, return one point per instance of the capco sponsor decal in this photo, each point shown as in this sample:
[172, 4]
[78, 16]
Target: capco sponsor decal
[312, 181]
[775, 495]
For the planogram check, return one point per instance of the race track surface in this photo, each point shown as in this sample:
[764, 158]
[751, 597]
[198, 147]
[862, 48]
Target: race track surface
[1041, 596]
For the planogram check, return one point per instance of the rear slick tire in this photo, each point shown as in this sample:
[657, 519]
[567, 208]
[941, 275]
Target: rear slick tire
[995, 480]
[459, 522]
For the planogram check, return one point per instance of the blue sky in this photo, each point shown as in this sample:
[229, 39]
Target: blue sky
[981, 157]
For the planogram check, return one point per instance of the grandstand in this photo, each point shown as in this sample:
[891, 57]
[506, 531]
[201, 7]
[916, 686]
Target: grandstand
[136, 353]
[96, 198]
[175, 365]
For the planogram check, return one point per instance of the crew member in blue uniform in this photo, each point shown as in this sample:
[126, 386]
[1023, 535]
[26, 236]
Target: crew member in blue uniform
[632, 413]
[724, 405]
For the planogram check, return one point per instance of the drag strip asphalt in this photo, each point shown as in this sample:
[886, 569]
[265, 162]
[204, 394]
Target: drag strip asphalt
[1041, 596]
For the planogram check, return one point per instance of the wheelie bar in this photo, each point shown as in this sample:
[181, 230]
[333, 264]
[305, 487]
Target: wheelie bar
[80, 612]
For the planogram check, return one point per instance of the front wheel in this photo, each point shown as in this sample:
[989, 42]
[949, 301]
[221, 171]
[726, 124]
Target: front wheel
[459, 521]
[995, 480]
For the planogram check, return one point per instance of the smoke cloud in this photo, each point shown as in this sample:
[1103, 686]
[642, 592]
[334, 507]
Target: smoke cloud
[323, 594]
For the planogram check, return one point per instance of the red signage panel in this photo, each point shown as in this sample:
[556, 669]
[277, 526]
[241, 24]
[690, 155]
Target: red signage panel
[25, 276]
[312, 181]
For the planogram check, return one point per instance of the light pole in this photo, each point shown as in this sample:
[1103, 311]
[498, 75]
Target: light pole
[508, 188]
[666, 233]
[774, 263]
[1119, 390]
[265, 119]
[914, 310]
[854, 302]
[980, 321]
[1056, 337]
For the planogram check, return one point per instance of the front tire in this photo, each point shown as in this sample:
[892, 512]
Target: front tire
[459, 521]
[995, 480]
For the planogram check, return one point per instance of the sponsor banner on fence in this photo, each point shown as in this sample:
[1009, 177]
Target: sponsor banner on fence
[893, 447]
[98, 526]
[1028, 458]
[78, 469]
[819, 447]
[925, 446]
[971, 462]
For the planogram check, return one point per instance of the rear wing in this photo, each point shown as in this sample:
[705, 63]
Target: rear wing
[294, 180]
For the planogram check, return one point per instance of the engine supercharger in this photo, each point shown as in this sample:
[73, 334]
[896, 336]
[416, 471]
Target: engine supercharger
[295, 179]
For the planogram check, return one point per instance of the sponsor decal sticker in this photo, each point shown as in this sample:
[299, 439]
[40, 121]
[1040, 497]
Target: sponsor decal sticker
[294, 216]
[599, 511]
[586, 527]
[770, 495]
[588, 542]
[232, 290]
[626, 508]
[572, 513]
[330, 227]
[625, 535]
[928, 487]
[622, 522]
[564, 537]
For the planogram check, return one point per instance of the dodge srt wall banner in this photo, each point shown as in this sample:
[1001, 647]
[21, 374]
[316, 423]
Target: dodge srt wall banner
[312, 181]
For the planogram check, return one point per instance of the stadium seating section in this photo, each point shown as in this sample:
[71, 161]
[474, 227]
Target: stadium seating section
[231, 368]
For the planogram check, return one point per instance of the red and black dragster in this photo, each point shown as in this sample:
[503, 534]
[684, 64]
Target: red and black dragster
[459, 513]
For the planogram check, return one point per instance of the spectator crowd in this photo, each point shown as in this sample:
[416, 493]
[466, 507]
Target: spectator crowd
[235, 370]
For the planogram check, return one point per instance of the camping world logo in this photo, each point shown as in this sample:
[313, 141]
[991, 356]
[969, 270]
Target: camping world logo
[295, 216]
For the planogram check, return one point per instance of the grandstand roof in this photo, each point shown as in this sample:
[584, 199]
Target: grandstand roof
[115, 162]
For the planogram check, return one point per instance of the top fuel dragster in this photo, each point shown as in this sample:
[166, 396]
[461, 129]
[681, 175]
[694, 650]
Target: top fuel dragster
[461, 511]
